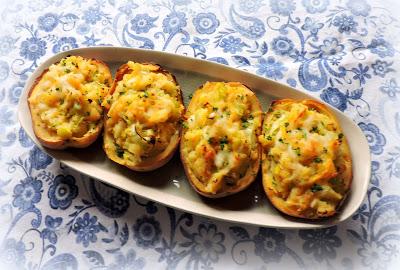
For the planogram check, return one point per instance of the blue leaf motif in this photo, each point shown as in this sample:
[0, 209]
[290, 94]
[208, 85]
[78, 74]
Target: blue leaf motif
[264, 48]
[250, 27]
[124, 235]
[68, 18]
[356, 43]
[107, 240]
[62, 261]
[356, 94]
[94, 257]
[219, 60]
[241, 60]
[239, 233]
[355, 237]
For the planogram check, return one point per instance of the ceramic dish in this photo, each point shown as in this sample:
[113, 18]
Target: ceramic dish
[168, 185]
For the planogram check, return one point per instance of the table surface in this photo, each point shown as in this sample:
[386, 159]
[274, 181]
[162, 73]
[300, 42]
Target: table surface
[344, 52]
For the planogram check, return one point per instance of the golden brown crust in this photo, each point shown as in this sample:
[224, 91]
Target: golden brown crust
[243, 182]
[56, 143]
[149, 164]
[343, 164]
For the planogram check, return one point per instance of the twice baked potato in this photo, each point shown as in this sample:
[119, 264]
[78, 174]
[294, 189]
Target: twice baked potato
[65, 102]
[143, 120]
[219, 148]
[306, 161]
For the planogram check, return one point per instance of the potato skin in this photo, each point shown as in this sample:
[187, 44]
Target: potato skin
[250, 174]
[159, 160]
[57, 143]
[343, 165]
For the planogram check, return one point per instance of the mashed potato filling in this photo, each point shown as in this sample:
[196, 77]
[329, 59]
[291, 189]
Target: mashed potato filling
[220, 140]
[67, 99]
[144, 113]
[303, 159]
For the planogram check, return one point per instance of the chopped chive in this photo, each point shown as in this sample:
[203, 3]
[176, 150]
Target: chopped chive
[316, 188]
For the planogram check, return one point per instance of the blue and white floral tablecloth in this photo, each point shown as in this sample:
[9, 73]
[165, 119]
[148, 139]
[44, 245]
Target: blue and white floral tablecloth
[344, 52]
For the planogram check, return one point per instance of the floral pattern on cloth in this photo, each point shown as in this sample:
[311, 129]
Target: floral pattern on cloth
[343, 52]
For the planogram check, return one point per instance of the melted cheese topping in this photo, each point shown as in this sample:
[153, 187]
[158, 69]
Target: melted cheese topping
[68, 97]
[303, 148]
[220, 140]
[144, 113]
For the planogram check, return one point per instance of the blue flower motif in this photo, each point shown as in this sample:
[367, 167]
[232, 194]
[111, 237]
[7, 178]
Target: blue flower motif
[48, 22]
[27, 193]
[90, 41]
[86, 228]
[269, 245]
[231, 44]
[208, 243]
[361, 213]
[83, 29]
[335, 98]
[390, 88]
[142, 23]
[127, 262]
[33, 48]
[64, 44]
[4, 70]
[361, 73]
[270, 68]
[282, 7]
[49, 232]
[12, 254]
[147, 232]
[38, 159]
[345, 24]
[92, 15]
[15, 92]
[381, 47]
[206, 23]
[375, 138]
[321, 242]
[381, 68]
[250, 6]
[331, 49]
[311, 25]
[174, 22]
[62, 191]
[374, 255]
[7, 44]
[6, 116]
[282, 45]
[359, 7]
[315, 6]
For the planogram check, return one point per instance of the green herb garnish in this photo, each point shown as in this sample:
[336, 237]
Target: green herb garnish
[316, 188]
[223, 141]
[317, 160]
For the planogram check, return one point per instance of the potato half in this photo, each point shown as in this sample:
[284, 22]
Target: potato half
[65, 102]
[219, 147]
[306, 162]
[143, 120]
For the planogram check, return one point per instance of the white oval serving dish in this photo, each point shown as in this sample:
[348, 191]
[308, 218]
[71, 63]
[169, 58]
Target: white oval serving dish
[168, 185]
